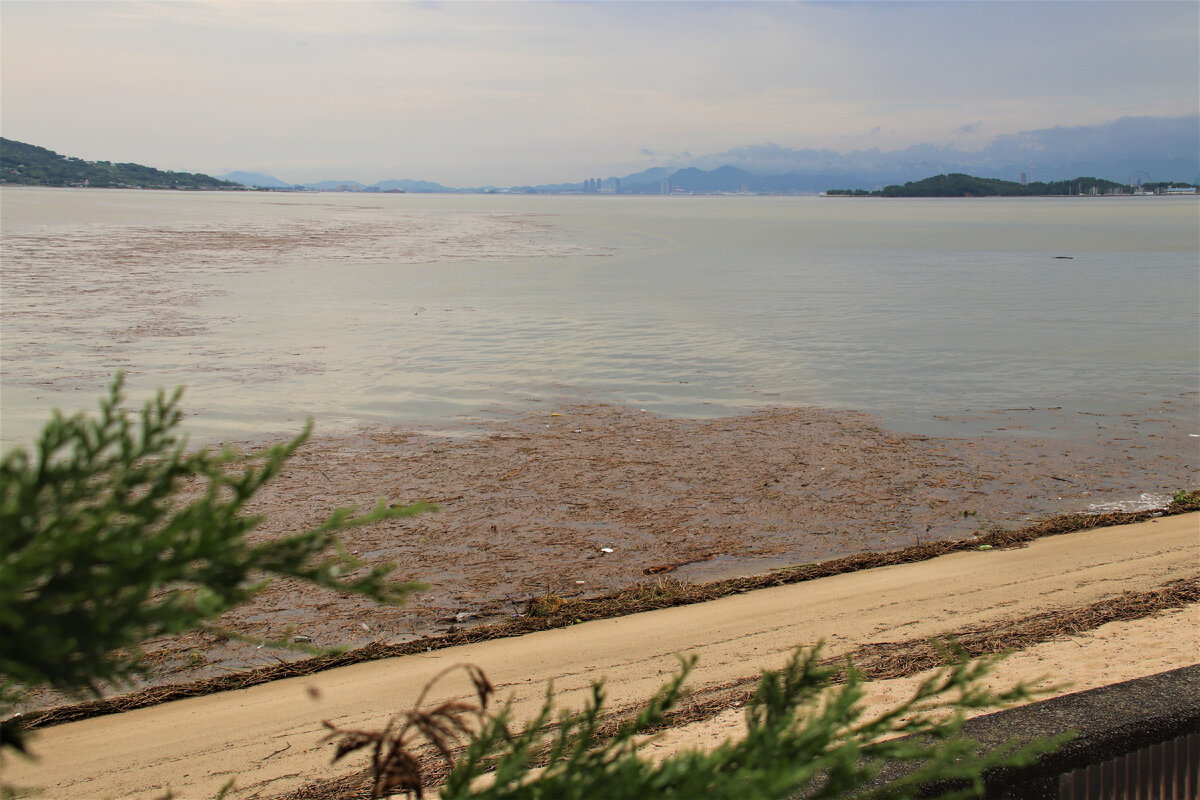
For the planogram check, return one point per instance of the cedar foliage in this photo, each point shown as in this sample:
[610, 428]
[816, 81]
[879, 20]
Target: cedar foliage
[807, 735]
[100, 552]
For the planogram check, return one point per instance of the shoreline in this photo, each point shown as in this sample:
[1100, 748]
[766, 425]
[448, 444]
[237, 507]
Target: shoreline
[1051, 595]
[589, 502]
[552, 612]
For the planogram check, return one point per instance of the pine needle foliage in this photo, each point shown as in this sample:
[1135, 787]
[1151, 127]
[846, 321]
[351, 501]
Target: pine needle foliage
[806, 737]
[113, 532]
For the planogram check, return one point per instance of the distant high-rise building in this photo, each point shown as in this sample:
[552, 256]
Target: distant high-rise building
[1024, 179]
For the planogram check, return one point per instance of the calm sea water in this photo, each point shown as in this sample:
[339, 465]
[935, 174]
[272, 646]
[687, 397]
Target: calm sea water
[439, 310]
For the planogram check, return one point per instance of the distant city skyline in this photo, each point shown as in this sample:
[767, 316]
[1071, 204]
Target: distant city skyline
[470, 94]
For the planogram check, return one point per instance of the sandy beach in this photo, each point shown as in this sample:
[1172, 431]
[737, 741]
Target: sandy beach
[268, 737]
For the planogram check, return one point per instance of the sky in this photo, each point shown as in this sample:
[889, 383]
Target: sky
[505, 93]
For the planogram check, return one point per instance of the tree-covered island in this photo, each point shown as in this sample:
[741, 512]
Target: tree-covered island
[959, 185]
[29, 165]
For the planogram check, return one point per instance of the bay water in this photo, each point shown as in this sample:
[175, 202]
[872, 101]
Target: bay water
[440, 310]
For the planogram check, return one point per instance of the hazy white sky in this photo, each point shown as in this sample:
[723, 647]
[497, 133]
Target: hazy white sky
[519, 92]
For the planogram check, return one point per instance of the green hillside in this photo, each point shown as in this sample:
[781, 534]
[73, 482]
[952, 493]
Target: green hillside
[957, 184]
[29, 165]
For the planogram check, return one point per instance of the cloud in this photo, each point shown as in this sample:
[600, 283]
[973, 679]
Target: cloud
[517, 92]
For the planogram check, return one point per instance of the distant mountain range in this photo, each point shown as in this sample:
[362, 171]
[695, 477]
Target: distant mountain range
[258, 180]
[1127, 151]
[1130, 150]
[255, 179]
[659, 180]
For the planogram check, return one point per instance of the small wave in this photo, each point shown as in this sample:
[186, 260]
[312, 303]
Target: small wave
[1146, 502]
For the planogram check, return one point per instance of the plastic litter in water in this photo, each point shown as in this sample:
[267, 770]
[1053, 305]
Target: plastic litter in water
[1147, 501]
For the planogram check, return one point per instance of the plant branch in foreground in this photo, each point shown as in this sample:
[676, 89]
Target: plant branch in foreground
[805, 737]
[111, 533]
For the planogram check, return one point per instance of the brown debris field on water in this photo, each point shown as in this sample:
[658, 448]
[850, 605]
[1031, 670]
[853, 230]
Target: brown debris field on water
[585, 501]
[549, 609]
[591, 501]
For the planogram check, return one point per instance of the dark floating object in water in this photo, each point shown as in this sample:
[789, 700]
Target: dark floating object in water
[1069, 258]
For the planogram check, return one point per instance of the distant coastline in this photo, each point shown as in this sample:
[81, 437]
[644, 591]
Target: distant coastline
[23, 164]
[959, 185]
[29, 165]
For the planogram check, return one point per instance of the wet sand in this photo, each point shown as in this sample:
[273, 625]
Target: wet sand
[586, 500]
